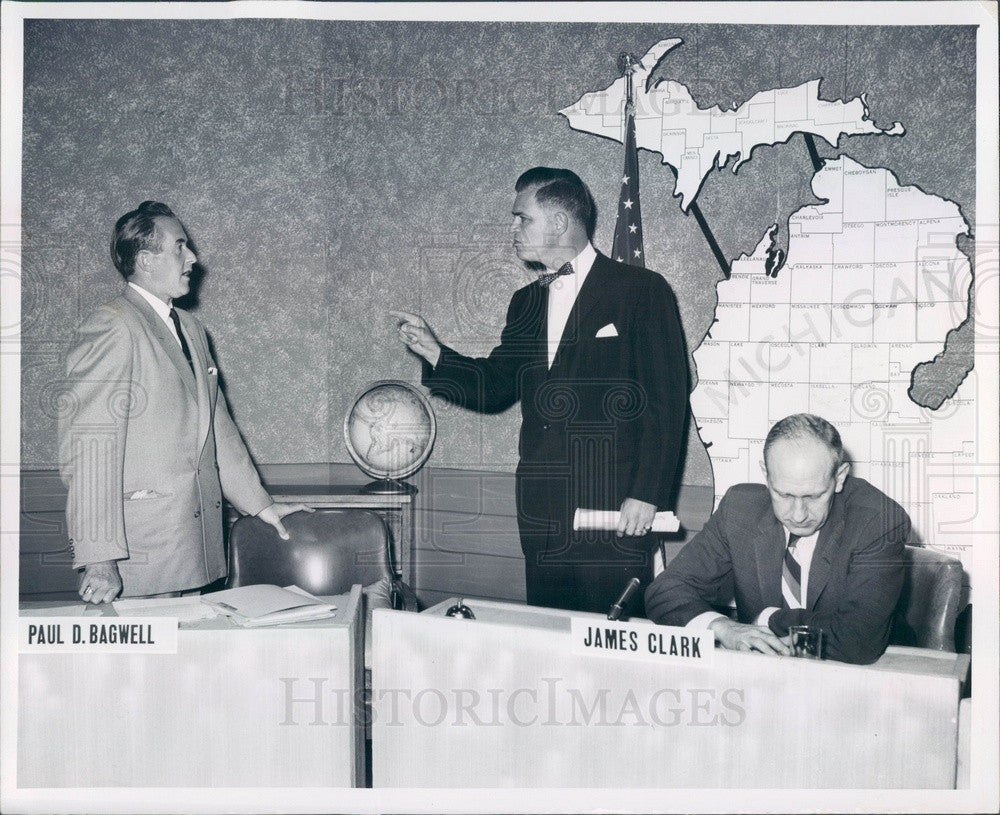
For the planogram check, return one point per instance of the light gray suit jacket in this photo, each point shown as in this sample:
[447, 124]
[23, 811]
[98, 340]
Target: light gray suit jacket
[147, 450]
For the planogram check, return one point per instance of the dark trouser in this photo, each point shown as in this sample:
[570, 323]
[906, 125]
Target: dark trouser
[587, 575]
[578, 571]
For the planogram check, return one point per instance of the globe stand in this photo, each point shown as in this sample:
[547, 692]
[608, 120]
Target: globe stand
[388, 486]
[389, 432]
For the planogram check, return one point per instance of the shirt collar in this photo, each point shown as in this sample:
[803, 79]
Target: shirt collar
[808, 540]
[161, 308]
[583, 262]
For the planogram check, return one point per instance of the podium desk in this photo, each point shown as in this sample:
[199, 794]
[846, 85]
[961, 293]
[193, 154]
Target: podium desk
[502, 701]
[247, 707]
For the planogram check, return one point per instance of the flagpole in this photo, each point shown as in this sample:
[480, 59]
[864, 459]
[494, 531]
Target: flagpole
[629, 100]
[628, 66]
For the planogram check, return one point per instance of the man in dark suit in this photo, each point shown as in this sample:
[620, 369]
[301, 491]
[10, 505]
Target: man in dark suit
[147, 447]
[815, 546]
[594, 352]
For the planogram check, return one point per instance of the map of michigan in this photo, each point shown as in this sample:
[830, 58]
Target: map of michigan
[695, 141]
[873, 283]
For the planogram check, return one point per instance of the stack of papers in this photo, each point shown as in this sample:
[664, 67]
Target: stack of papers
[185, 609]
[80, 609]
[252, 606]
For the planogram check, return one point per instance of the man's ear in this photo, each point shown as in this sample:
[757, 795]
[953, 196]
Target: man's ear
[560, 222]
[841, 475]
[141, 262]
[763, 468]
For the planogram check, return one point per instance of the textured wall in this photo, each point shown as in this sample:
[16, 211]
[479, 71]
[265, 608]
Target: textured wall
[330, 171]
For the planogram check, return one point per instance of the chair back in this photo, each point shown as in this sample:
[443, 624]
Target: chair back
[928, 605]
[328, 551]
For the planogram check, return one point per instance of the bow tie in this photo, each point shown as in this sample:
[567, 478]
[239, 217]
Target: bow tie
[548, 277]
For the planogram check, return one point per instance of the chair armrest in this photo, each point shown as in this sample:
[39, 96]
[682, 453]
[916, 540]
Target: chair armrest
[377, 595]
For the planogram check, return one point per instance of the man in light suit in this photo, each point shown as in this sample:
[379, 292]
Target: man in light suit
[147, 447]
[815, 546]
[594, 352]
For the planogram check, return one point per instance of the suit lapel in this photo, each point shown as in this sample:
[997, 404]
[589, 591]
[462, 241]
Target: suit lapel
[769, 549]
[199, 360]
[591, 293]
[826, 548]
[535, 321]
[162, 335]
[541, 329]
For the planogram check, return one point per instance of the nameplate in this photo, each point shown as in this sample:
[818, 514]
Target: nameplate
[107, 635]
[643, 641]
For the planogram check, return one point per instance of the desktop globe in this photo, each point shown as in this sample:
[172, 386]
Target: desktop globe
[389, 431]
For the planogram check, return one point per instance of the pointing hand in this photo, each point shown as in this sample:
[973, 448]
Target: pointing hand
[417, 335]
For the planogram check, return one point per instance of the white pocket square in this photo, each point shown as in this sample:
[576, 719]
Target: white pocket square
[608, 331]
[212, 370]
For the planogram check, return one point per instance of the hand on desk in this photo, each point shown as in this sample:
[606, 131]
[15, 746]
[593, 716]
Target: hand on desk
[275, 512]
[101, 582]
[746, 637]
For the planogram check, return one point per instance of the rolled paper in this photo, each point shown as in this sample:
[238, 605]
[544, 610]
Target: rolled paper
[606, 520]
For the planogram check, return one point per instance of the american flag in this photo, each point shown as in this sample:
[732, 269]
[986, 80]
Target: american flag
[628, 231]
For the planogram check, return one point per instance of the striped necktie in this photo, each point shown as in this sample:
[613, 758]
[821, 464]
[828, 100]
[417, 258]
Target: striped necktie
[791, 573]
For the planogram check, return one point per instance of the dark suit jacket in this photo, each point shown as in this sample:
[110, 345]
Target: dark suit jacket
[854, 579]
[606, 422]
[147, 449]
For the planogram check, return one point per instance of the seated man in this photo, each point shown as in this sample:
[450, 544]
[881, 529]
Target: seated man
[813, 547]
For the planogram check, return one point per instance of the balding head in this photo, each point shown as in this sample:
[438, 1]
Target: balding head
[805, 468]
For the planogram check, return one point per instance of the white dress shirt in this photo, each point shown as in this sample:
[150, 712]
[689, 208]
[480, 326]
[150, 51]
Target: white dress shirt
[562, 295]
[803, 554]
[162, 310]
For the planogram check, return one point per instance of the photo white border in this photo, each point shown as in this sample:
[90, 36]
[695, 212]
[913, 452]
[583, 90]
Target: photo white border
[983, 795]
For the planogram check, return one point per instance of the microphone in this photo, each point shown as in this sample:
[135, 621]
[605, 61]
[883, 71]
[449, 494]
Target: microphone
[619, 606]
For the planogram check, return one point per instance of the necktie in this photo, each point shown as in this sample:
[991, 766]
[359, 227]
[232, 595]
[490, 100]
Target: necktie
[180, 336]
[791, 572]
[548, 277]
